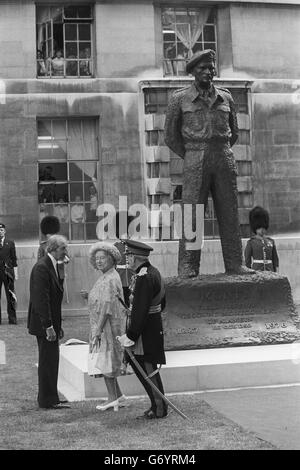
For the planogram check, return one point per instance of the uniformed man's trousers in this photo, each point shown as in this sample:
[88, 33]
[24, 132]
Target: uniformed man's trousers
[158, 406]
[212, 169]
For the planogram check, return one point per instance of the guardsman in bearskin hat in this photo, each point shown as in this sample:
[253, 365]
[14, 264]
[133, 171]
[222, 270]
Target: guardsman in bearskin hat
[260, 251]
[49, 226]
[144, 332]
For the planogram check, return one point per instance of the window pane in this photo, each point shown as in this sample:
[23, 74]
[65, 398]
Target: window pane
[61, 211]
[58, 128]
[59, 149]
[84, 32]
[52, 172]
[85, 50]
[42, 14]
[75, 171]
[91, 230]
[71, 31]
[89, 140]
[74, 140]
[56, 14]
[71, 50]
[70, 12]
[84, 12]
[76, 192]
[44, 149]
[209, 33]
[72, 68]
[90, 172]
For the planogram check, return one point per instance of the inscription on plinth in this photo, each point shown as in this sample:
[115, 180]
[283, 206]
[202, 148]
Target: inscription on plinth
[220, 310]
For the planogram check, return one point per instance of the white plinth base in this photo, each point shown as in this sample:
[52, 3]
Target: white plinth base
[189, 371]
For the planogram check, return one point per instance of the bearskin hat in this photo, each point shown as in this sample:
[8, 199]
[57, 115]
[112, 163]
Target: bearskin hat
[50, 225]
[258, 218]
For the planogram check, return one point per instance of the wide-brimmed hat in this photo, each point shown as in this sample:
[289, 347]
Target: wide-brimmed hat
[108, 248]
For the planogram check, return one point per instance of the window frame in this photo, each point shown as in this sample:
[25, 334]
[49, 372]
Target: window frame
[68, 181]
[67, 20]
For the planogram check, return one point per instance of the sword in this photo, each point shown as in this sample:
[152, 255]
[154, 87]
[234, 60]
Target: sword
[142, 372]
[152, 385]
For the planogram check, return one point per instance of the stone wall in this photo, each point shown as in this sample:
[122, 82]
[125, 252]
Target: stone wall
[120, 167]
[276, 152]
[80, 274]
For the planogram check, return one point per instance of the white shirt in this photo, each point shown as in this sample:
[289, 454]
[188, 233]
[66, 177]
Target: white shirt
[53, 262]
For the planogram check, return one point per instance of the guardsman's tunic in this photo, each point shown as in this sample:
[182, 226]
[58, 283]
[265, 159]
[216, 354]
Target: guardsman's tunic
[261, 254]
[201, 126]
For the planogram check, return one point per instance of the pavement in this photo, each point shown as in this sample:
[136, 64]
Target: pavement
[272, 413]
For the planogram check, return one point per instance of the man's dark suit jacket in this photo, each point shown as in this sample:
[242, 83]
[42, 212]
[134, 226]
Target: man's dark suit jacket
[46, 293]
[8, 256]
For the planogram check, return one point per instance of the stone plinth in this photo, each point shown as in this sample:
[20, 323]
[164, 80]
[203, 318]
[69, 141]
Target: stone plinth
[219, 310]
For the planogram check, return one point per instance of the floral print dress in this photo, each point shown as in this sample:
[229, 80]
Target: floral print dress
[104, 300]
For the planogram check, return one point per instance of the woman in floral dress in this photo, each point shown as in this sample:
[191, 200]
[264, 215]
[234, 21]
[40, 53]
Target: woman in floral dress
[107, 319]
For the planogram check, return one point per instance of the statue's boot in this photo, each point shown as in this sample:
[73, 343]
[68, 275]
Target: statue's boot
[240, 270]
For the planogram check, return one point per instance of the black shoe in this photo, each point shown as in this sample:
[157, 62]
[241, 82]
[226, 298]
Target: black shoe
[59, 406]
[63, 401]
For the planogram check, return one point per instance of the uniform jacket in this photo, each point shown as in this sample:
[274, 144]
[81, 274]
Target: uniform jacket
[261, 249]
[146, 328]
[46, 294]
[195, 118]
[8, 257]
[124, 271]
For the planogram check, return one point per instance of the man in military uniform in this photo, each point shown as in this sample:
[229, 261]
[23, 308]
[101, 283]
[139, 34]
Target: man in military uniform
[260, 251]
[201, 127]
[144, 332]
[8, 274]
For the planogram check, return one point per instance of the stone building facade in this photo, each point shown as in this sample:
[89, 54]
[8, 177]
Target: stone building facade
[97, 121]
[84, 126]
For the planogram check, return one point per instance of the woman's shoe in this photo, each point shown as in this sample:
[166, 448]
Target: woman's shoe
[112, 404]
[123, 401]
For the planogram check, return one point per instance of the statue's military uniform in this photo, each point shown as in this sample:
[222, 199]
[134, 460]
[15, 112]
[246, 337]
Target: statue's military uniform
[261, 254]
[201, 126]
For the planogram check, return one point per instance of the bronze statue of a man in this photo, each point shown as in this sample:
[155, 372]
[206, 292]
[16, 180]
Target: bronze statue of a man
[201, 127]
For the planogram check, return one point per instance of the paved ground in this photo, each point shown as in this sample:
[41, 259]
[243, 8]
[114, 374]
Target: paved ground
[272, 413]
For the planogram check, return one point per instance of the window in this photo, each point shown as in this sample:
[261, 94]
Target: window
[68, 176]
[186, 31]
[64, 41]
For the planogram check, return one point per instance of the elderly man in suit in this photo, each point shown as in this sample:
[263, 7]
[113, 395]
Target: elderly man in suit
[44, 319]
[8, 274]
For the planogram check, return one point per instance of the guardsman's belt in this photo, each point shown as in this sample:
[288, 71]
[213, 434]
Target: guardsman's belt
[122, 266]
[155, 309]
[264, 261]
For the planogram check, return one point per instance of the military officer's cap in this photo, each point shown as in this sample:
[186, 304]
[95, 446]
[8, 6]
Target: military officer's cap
[207, 54]
[2, 225]
[258, 218]
[138, 248]
[50, 225]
